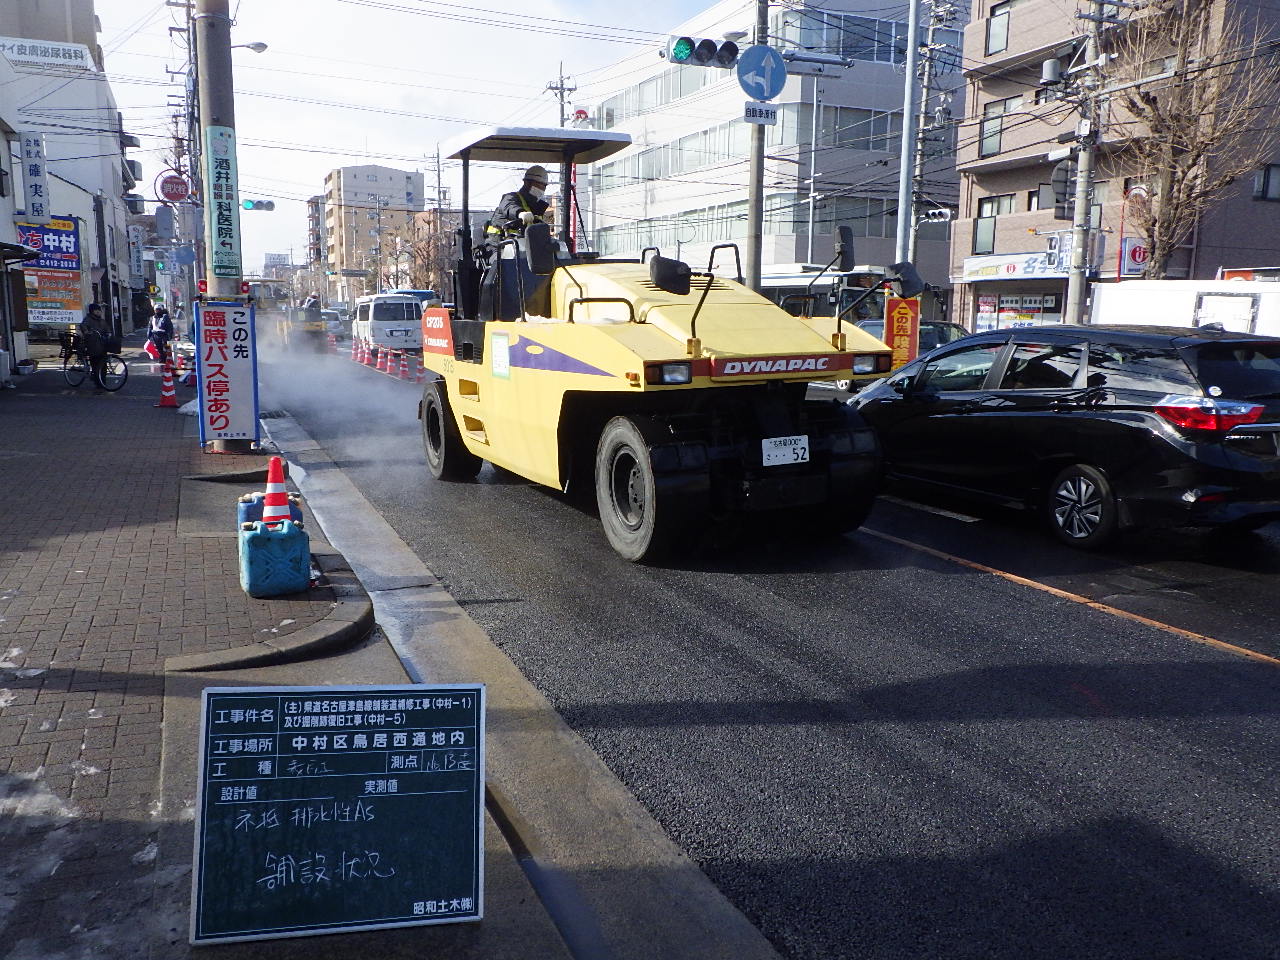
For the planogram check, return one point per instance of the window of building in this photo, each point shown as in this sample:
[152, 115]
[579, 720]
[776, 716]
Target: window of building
[1035, 198]
[984, 225]
[998, 28]
[995, 205]
[1266, 183]
[993, 124]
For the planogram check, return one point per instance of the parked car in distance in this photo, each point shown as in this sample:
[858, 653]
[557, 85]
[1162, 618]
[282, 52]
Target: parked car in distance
[933, 333]
[1099, 428]
[334, 324]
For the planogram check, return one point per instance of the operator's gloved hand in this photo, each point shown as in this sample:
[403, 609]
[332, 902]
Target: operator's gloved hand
[526, 217]
[549, 217]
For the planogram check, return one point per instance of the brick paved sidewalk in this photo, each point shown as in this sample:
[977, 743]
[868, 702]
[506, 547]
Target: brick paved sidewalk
[97, 587]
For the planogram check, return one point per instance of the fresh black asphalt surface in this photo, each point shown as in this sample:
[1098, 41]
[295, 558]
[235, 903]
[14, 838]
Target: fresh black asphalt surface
[874, 752]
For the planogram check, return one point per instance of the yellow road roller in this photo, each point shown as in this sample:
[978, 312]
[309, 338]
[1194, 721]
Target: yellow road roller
[678, 394]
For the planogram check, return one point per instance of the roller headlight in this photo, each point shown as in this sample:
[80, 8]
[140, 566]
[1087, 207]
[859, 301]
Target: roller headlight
[865, 363]
[669, 373]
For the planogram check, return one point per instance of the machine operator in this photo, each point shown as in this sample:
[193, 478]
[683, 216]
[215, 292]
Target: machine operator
[518, 209]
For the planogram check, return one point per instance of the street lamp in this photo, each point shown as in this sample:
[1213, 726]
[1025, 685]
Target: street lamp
[257, 46]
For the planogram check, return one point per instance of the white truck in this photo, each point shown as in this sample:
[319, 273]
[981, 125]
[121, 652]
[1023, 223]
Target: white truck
[1240, 305]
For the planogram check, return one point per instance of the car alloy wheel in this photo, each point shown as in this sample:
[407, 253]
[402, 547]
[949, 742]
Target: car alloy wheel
[1082, 508]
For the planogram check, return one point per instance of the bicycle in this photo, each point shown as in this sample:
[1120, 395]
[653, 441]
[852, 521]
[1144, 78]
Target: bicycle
[76, 365]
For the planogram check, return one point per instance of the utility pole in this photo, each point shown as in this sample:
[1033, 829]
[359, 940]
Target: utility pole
[910, 109]
[814, 127]
[755, 189]
[940, 14]
[562, 91]
[1087, 136]
[211, 26]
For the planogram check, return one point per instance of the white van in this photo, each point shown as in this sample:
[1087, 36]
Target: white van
[1242, 306]
[391, 320]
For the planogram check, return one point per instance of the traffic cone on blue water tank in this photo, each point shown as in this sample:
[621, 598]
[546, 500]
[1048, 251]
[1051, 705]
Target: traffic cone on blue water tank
[275, 504]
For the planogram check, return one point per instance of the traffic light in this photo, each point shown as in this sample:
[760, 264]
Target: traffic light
[161, 267]
[701, 52]
[258, 204]
[937, 215]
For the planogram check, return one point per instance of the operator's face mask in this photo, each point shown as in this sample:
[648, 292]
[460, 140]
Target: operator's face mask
[536, 190]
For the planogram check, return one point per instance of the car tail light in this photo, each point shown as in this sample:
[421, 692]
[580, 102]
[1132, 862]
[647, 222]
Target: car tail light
[1205, 413]
[884, 362]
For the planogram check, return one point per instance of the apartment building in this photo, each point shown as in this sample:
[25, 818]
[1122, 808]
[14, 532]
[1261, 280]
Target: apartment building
[682, 186]
[367, 209]
[52, 85]
[1010, 256]
[316, 247]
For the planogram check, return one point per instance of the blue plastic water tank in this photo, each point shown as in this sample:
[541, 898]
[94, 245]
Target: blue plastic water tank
[274, 559]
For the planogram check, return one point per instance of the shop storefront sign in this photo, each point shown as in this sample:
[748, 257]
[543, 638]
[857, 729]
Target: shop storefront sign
[1011, 266]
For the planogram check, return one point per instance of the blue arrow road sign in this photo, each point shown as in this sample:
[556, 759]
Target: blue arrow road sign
[762, 72]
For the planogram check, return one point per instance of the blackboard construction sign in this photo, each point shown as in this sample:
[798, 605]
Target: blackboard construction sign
[331, 809]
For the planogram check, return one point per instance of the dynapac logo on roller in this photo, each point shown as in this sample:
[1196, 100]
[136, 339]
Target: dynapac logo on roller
[756, 366]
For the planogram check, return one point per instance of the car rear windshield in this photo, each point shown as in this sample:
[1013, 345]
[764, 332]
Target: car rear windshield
[396, 311]
[1240, 370]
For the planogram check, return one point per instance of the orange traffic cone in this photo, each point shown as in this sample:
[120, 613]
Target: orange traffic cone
[168, 395]
[355, 349]
[404, 366]
[333, 343]
[422, 372]
[275, 504]
[383, 356]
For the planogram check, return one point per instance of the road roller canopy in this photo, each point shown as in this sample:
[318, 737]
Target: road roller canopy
[536, 145]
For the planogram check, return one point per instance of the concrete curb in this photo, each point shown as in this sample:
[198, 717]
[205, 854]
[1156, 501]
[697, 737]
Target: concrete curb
[347, 624]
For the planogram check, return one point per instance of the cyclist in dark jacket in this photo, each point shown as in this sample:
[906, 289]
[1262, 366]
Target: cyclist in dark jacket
[94, 332]
[518, 209]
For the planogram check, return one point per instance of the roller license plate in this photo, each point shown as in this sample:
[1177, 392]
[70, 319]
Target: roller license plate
[779, 450]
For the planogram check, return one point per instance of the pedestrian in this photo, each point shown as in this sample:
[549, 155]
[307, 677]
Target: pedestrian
[95, 334]
[160, 332]
[518, 209]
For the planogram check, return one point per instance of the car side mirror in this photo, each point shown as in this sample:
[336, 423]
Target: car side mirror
[540, 249]
[671, 276]
[902, 387]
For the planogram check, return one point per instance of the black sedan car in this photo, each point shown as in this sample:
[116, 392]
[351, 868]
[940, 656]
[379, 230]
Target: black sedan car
[1100, 427]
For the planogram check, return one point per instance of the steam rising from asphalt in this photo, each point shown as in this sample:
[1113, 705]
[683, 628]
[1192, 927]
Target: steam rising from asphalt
[375, 416]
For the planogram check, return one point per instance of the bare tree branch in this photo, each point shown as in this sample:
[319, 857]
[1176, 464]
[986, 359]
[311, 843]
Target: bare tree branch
[1189, 138]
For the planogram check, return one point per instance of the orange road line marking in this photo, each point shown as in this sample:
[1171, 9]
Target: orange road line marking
[1077, 598]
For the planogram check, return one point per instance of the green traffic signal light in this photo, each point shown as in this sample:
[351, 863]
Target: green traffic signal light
[682, 50]
[258, 204]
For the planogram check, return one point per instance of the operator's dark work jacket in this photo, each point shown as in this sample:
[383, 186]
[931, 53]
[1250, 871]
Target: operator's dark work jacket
[507, 216]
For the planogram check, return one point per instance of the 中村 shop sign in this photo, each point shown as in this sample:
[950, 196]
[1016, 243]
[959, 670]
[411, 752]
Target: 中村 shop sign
[1011, 266]
[53, 279]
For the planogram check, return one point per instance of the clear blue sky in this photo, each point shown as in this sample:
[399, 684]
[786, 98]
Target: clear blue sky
[393, 69]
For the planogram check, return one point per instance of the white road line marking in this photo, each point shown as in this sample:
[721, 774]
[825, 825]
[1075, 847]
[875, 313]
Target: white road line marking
[962, 517]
